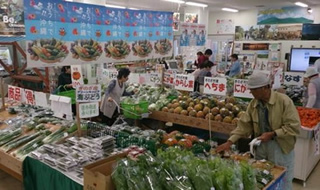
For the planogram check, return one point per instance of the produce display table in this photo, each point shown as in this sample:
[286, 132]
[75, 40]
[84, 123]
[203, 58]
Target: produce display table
[8, 163]
[40, 176]
[194, 122]
[305, 157]
[278, 174]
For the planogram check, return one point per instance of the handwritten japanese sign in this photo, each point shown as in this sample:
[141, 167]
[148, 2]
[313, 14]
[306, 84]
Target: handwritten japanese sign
[88, 110]
[168, 78]
[88, 93]
[109, 74]
[240, 89]
[76, 75]
[293, 78]
[184, 82]
[216, 86]
[14, 93]
[29, 97]
[155, 78]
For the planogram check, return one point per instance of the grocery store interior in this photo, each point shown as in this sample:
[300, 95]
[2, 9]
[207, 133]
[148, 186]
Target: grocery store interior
[159, 94]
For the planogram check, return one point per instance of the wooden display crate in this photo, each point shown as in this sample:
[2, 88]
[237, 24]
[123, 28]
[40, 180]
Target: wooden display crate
[97, 176]
[194, 122]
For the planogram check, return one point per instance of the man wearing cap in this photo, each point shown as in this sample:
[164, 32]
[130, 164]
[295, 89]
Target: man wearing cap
[313, 95]
[272, 118]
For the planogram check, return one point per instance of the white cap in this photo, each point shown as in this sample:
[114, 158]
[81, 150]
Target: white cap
[310, 72]
[257, 80]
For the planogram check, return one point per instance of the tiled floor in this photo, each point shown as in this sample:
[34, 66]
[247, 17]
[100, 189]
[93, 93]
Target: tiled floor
[9, 183]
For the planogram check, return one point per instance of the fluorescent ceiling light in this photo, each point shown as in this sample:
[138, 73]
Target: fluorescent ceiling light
[230, 10]
[132, 8]
[69, 0]
[197, 4]
[175, 1]
[114, 6]
[301, 4]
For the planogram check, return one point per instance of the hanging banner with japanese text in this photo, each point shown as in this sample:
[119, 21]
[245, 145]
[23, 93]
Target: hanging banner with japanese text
[29, 96]
[215, 86]
[88, 110]
[184, 82]
[240, 89]
[88, 93]
[293, 78]
[68, 33]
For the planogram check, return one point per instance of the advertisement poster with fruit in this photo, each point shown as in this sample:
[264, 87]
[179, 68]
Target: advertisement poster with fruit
[76, 75]
[66, 33]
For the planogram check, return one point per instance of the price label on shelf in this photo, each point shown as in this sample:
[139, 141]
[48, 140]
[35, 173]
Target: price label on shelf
[215, 86]
[241, 89]
[88, 93]
[184, 82]
[156, 78]
[293, 78]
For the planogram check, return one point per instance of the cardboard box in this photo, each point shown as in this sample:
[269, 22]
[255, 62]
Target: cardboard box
[97, 176]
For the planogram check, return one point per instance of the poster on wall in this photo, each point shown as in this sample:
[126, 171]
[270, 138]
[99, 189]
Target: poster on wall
[268, 32]
[12, 18]
[225, 26]
[284, 15]
[191, 18]
[176, 21]
[68, 33]
[192, 34]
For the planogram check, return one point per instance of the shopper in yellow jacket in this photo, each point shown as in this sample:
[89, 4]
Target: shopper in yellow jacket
[272, 118]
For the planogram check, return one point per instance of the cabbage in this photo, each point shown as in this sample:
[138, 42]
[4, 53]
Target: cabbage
[152, 107]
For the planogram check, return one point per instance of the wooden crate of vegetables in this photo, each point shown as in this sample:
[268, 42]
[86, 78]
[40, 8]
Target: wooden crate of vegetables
[196, 112]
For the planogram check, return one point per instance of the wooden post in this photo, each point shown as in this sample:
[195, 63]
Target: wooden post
[2, 94]
[78, 120]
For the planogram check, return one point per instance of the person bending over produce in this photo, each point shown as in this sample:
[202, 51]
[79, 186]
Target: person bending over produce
[204, 72]
[272, 118]
[313, 95]
[114, 91]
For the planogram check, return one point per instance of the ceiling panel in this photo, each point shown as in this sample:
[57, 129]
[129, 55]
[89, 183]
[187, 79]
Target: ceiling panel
[214, 5]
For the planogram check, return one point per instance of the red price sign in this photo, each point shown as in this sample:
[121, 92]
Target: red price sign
[184, 82]
[29, 97]
[168, 78]
[215, 86]
[15, 93]
[240, 89]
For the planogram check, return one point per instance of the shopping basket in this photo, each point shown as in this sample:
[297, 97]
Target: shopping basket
[67, 93]
[135, 111]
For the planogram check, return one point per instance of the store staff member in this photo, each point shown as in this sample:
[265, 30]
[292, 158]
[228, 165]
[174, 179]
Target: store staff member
[313, 95]
[272, 118]
[235, 68]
